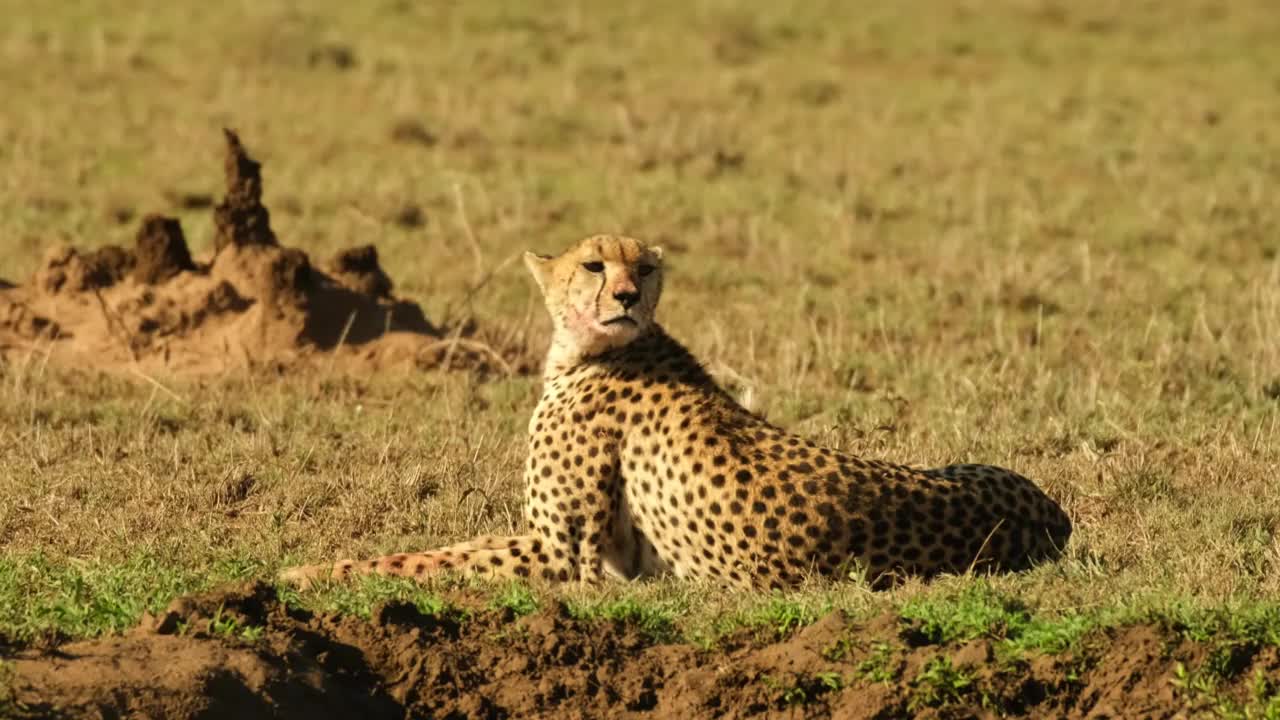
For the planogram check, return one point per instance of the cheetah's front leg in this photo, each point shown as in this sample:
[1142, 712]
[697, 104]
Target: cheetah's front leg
[571, 502]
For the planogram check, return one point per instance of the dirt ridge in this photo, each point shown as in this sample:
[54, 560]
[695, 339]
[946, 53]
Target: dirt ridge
[488, 663]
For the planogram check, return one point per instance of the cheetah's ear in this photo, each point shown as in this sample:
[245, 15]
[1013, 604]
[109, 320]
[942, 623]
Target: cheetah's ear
[538, 266]
[657, 253]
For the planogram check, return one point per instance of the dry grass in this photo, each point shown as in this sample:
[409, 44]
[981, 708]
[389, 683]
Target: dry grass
[1031, 234]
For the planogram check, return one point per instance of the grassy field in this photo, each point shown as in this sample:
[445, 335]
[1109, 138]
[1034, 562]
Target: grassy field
[1033, 234]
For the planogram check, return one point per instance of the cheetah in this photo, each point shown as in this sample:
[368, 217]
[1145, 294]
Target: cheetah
[639, 464]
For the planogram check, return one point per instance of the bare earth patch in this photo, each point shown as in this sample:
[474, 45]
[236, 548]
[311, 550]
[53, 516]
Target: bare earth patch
[254, 303]
[241, 650]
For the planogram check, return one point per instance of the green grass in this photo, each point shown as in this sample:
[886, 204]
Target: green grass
[516, 598]
[1202, 688]
[654, 620]
[40, 598]
[227, 627]
[362, 598]
[802, 689]
[1254, 623]
[1031, 234]
[940, 683]
[880, 667]
[976, 611]
[776, 616]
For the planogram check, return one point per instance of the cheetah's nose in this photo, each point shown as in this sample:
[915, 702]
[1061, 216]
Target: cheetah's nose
[627, 298]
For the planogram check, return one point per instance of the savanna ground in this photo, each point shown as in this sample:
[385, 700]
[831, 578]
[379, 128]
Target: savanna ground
[1033, 234]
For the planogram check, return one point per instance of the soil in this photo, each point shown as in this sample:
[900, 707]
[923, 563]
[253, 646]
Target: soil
[487, 664]
[253, 303]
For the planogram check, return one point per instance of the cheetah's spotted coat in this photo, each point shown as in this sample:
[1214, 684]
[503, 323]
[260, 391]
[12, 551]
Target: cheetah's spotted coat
[639, 464]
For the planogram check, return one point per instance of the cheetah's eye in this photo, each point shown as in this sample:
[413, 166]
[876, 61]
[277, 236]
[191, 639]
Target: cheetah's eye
[644, 270]
[594, 267]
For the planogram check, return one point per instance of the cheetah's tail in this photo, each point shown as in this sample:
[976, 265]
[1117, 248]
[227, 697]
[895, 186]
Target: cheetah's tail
[519, 556]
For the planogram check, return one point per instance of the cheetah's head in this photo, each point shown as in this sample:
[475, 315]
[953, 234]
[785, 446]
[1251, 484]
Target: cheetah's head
[601, 293]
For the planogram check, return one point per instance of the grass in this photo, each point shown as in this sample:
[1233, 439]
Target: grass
[1201, 687]
[363, 598]
[978, 612]
[229, 628]
[654, 620]
[939, 683]
[776, 616]
[517, 599]
[42, 598]
[802, 689]
[880, 667]
[1023, 233]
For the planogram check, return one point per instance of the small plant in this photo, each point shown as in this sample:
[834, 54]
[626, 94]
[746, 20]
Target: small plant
[788, 694]
[1263, 687]
[803, 689]
[776, 617]
[509, 634]
[830, 680]
[939, 683]
[41, 597]
[222, 625]
[879, 667]
[1075, 668]
[839, 649]
[1194, 684]
[289, 595]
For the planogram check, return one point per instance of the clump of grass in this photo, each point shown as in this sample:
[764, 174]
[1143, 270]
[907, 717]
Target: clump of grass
[880, 666]
[939, 683]
[363, 595]
[775, 616]
[656, 620]
[515, 598]
[229, 627]
[976, 611]
[801, 689]
[781, 616]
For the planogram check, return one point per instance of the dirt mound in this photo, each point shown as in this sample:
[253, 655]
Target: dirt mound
[241, 218]
[161, 251]
[253, 303]
[241, 650]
